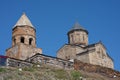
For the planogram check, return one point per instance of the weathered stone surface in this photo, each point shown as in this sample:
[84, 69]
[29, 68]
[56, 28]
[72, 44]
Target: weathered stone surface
[11, 62]
[22, 51]
[101, 57]
[78, 48]
[23, 40]
[23, 31]
[78, 37]
[94, 54]
[78, 65]
[49, 60]
[67, 52]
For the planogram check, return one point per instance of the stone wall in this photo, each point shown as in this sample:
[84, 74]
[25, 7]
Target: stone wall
[23, 43]
[57, 62]
[40, 59]
[23, 31]
[22, 51]
[17, 63]
[83, 58]
[78, 37]
[96, 55]
[100, 56]
[27, 51]
[67, 52]
[13, 52]
[78, 65]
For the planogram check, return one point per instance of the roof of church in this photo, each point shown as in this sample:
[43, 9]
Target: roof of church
[93, 45]
[46, 56]
[77, 26]
[23, 20]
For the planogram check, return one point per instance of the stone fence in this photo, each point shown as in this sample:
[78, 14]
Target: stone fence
[78, 65]
[39, 59]
[18, 63]
[49, 60]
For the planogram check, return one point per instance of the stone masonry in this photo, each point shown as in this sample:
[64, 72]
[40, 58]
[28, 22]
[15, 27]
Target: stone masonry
[78, 54]
[78, 48]
[24, 45]
[49, 60]
[23, 40]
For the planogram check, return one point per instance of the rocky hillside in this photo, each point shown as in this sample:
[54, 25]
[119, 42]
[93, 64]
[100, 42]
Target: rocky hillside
[48, 73]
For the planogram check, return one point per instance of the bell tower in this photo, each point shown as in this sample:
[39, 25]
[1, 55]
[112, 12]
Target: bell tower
[23, 40]
[24, 32]
[78, 35]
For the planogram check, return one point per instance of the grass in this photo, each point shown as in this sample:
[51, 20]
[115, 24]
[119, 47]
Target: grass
[46, 73]
[60, 74]
[2, 70]
[30, 69]
[76, 75]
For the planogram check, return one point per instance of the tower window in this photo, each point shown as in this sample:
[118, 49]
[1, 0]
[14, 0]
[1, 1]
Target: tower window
[22, 39]
[30, 41]
[72, 40]
[14, 41]
[83, 37]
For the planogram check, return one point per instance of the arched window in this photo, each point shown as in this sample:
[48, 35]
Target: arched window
[30, 41]
[22, 39]
[83, 37]
[72, 39]
[14, 41]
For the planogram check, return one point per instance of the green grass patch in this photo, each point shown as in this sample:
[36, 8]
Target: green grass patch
[60, 74]
[30, 69]
[75, 75]
[2, 69]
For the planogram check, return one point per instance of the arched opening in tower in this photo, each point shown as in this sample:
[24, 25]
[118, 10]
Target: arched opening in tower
[30, 41]
[14, 41]
[22, 40]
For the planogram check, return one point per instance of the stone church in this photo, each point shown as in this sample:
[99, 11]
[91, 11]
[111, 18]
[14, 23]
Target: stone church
[23, 40]
[24, 47]
[78, 48]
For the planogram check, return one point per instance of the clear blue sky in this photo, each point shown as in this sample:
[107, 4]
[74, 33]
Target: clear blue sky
[54, 18]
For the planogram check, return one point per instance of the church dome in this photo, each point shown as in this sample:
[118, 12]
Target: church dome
[77, 27]
[24, 20]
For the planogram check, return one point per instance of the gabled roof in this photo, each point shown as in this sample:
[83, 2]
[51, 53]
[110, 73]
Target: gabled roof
[93, 45]
[77, 27]
[24, 20]
[96, 44]
[37, 54]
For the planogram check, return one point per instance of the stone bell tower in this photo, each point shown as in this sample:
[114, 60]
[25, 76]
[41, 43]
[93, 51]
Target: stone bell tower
[78, 35]
[24, 32]
[23, 39]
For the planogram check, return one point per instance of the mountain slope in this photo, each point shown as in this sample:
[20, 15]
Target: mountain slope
[46, 72]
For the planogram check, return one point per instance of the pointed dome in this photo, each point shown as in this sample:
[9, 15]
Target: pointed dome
[77, 27]
[23, 21]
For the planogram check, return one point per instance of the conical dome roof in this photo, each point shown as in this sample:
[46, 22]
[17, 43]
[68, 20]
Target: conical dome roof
[23, 21]
[77, 27]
